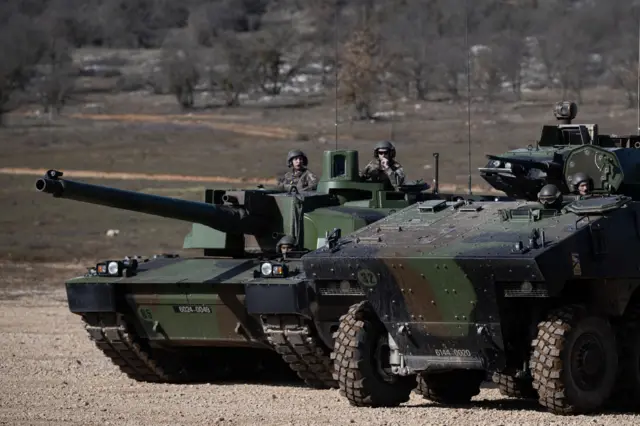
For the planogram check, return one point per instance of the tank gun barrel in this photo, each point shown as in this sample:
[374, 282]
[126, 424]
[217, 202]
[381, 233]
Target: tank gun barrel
[223, 218]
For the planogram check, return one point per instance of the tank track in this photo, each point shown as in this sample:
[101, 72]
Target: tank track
[302, 350]
[125, 350]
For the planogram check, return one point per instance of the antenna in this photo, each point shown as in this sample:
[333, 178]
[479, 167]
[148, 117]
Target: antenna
[466, 45]
[335, 67]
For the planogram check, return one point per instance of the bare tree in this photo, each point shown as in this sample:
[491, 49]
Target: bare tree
[22, 47]
[280, 53]
[235, 70]
[411, 32]
[362, 70]
[180, 63]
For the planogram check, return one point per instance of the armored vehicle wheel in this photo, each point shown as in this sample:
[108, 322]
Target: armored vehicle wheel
[574, 361]
[514, 387]
[626, 395]
[361, 361]
[451, 387]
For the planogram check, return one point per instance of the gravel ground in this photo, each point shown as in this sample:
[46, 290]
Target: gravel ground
[50, 373]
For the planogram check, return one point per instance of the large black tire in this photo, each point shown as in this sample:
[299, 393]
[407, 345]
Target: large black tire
[574, 361]
[515, 387]
[451, 387]
[626, 395]
[357, 365]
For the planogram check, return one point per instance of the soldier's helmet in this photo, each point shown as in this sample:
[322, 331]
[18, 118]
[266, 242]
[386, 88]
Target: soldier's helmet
[296, 153]
[286, 240]
[579, 178]
[549, 194]
[385, 145]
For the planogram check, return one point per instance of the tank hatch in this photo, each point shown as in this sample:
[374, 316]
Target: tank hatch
[597, 205]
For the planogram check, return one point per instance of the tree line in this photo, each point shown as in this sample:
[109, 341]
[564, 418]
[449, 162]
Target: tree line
[386, 49]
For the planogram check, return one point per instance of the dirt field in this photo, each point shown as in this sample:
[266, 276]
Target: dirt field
[50, 374]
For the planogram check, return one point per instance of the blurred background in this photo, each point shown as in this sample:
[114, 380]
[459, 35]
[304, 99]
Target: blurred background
[105, 89]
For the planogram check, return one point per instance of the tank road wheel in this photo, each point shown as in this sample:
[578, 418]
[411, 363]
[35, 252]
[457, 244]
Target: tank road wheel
[626, 395]
[574, 361]
[450, 387]
[514, 387]
[361, 361]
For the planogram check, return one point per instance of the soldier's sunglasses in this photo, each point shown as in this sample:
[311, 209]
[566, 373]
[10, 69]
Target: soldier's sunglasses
[383, 152]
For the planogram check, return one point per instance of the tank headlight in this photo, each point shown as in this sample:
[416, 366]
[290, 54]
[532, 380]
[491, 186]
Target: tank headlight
[113, 268]
[266, 268]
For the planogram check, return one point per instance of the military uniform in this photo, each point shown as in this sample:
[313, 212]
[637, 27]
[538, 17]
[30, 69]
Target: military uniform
[303, 179]
[374, 171]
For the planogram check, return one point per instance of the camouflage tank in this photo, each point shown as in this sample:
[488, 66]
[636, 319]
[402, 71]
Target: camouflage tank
[165, 318]
[535, 291]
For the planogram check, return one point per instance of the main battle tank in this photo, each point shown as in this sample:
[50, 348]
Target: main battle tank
[167, 318]
[543, 295]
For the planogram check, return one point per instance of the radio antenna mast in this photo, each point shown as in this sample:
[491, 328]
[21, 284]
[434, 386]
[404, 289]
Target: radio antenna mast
[638, 91]
[335, 67]
[466, 45]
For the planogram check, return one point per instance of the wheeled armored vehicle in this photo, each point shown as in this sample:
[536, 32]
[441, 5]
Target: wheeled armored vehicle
[543, 295]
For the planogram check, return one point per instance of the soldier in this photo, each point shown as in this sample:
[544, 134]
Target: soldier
[582, 184]
[550, 197]
[384, 166]
[300, 177]
[285, 245]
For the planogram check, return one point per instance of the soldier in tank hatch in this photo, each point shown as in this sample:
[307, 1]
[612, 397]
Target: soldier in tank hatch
[582, 184]
[299, 176]
[384, 166]
[550, 197]
[285, 245]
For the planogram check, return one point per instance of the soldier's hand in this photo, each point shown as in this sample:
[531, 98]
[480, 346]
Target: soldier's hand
[384, 163]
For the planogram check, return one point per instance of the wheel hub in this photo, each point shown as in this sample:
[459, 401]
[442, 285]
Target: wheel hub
[587, 362]
[381, 359]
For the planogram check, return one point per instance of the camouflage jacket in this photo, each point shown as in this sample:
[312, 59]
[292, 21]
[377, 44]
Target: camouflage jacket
[303, 180]
[373, 171]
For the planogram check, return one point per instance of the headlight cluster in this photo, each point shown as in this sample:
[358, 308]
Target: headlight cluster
[497, 164]
[116, 268]
[268, 269]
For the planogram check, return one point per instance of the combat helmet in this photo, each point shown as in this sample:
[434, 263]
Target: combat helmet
[296, 153]
[549, 194]
[385, 145]
[579, 178]
[286, 240]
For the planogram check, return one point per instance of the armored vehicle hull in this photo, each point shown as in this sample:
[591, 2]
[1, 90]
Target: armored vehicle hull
[542, 293]
[547, 298]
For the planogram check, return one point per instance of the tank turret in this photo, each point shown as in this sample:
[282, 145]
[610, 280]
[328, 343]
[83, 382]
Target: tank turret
[563, 150]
